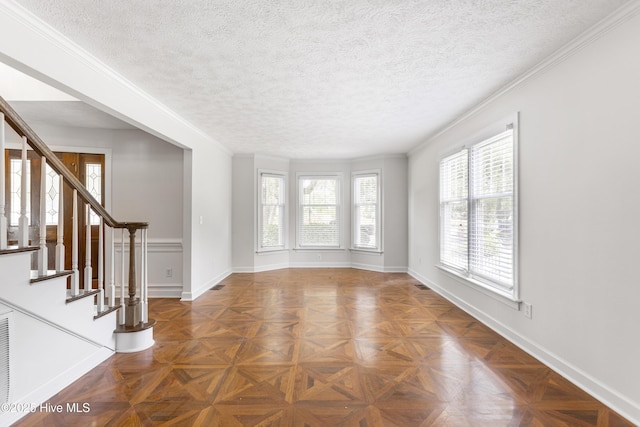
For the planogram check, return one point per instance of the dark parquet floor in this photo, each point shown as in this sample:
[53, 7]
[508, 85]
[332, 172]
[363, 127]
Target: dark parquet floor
[326, 347]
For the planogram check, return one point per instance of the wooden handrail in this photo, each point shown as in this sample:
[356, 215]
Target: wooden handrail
[34, 141]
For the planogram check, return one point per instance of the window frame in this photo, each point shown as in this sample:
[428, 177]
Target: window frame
[378, 209]
[338, 176]
[509, 292]
[283, 211]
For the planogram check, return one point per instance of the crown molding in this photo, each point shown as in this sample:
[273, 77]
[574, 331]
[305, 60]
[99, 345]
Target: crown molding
[607, 24]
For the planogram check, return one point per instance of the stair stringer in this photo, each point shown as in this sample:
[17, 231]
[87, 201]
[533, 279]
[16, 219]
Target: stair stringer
[47, 300]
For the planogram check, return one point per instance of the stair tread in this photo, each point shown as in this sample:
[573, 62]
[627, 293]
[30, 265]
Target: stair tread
[16, 250]
[106, 311]
[139, 327]
[51, 274]
[82, 294]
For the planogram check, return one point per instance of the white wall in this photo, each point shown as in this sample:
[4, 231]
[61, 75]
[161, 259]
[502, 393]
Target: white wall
[244, 208]
[579, 207]
[209, 229]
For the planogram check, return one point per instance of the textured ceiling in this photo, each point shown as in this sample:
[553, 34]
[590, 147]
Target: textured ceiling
[321, 78]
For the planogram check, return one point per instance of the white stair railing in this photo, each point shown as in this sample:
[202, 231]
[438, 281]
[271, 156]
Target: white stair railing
[134, 304]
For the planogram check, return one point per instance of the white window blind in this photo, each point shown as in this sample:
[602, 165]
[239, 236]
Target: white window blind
[271, 221]
[319, 211]
[477, 211]
[366, 211]
[454, 185]
[491, 232]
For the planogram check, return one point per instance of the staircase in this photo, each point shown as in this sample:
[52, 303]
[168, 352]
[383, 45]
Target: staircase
[60, 328]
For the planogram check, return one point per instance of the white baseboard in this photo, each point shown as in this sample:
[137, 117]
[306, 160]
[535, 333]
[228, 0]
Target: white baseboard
[619, 403]
[359, 266]
[172, 290]
[319, 265]
[270, 267]
[49, 389]
[243, 270]
[191, 296]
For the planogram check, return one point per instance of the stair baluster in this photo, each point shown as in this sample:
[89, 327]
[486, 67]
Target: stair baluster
[23, 222]
[60, 236]
[100, 303]
[3, 217]
[88, 271]
[112, 270]
[75, 280]
[122, 310]
[43, 253]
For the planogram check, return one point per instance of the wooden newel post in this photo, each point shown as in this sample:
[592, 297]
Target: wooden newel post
[132, 313]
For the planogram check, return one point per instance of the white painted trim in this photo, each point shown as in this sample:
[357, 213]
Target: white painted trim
[307, 264]
[359, 266]
[284, 175]
[270, 267]
[165, 290]
[396, 269]
[481, 287]
[242, 270]
[619, 403]
[618, 17]
[192, 296]
[158, 290]
[156, 245]
[132, 342]
[368, 267]
[54, 386]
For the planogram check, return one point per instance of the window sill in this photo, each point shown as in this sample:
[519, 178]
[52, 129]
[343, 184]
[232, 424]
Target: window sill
[504, 297]
[319, 248]
[367, 251]
[272, 251]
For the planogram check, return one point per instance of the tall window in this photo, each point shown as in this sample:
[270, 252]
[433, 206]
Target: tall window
[319, 211]
[271, 217]
[478, 211]
[366, 210]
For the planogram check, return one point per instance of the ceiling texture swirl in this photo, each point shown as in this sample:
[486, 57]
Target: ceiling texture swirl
[321, 79]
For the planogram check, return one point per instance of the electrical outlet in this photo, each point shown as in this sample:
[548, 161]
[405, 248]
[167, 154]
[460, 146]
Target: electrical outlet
[168, 272]
[528, 310]
[319, 257]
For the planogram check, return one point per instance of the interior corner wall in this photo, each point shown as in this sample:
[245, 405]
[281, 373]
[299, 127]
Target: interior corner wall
[211, 206]
[395, 214]
[243, 206]
[578, 211]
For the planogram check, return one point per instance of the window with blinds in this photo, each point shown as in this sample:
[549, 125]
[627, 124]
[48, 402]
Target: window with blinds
[319, 211]
[478, 210]
[271, 215]
[366, 210]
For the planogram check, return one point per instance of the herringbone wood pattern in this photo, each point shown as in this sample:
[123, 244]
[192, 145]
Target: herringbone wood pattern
[330, 347]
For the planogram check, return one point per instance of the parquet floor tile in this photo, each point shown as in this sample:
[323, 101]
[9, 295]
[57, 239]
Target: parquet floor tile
[328, 347]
